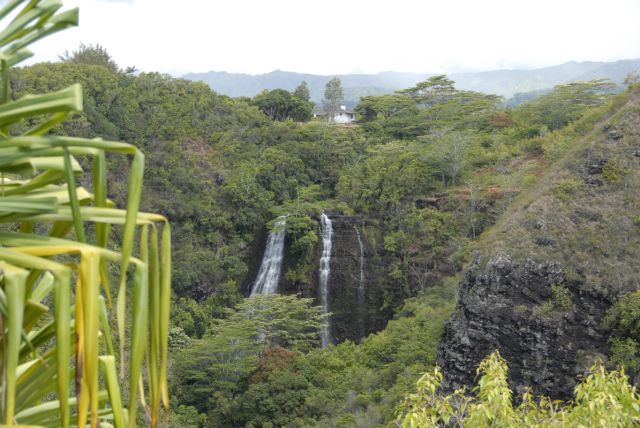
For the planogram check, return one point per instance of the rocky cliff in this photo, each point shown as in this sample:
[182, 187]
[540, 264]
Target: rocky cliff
[356, 280]
[548, 337]
[545, 276]
[355, 307]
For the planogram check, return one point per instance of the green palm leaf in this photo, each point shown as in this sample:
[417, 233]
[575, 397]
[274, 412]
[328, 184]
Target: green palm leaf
[56, 287]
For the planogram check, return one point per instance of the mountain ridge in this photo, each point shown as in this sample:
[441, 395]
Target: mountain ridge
[504, 82]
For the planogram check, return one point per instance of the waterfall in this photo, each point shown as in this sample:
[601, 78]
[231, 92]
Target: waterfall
[361, 283]
[360, 297]
[327, 232]
[269, 274]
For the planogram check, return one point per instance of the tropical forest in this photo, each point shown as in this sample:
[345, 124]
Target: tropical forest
[313, 250]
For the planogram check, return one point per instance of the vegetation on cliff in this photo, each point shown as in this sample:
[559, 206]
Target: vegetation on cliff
[555, 285]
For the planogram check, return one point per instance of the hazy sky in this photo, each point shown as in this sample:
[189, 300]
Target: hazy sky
[346, 36]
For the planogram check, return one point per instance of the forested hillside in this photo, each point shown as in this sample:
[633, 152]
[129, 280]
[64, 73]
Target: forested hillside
[419, 181]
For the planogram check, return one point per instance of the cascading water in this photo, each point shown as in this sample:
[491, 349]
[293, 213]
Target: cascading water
[360, 297]
[361, 283]
[269, 274]
[325, 260]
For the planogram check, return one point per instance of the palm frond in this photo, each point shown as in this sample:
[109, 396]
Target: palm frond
[55, 286]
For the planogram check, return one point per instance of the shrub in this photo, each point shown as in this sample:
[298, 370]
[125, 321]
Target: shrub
[601, 399]
[561, 297]
[565, 189]
[623, 318]
[529, 180]
[625, 353]
[521, 309]
[613, 172]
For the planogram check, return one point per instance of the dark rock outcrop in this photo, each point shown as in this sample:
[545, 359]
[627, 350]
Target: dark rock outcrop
[613, 133]
[254, 258]
[218, 178]
[353, 316]
[595, 166]
[344, 279]
[545, 241]
[509, 306]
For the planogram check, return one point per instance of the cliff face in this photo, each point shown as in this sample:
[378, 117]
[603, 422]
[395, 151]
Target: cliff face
[548, 340]
[348, 316]
[547, 273]
[356, 280]
[354, 306]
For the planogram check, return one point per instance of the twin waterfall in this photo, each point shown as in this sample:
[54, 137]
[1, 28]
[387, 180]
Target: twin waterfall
[269, 274]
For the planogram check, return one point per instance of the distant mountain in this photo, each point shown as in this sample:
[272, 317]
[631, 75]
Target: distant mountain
[509, 82]
[506, 83]
[355, 85]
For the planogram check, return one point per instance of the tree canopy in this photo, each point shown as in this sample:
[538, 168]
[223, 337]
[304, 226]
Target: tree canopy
[279, 104]
[333, 97]
[90, 54]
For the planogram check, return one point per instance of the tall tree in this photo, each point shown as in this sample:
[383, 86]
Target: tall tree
[565, 103]
[433, 90]
[302, 92]
[96, 55]
[276, 104]
[301, 105]
[279, 104]
[385, 106]
[333, 97]
[207, 373]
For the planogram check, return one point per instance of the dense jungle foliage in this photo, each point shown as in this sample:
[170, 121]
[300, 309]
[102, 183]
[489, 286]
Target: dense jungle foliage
[430, 168]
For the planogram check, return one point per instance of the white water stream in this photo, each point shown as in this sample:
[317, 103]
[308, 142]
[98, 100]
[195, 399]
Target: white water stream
[325, 268]
[361, 283]
[269, 274]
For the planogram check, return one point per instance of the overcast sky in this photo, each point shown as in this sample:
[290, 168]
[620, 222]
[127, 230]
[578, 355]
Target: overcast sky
[347, 36]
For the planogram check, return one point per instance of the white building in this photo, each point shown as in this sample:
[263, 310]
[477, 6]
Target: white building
[344, 116]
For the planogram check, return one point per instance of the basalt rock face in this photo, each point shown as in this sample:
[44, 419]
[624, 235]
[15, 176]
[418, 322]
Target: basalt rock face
[353, 315]
[509, 306]
[344, 279]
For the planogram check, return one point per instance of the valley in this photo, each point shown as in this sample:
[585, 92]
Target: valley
[376, 224]
[304, 250]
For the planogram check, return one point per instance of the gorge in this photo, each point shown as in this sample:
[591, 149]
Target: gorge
[439, 228]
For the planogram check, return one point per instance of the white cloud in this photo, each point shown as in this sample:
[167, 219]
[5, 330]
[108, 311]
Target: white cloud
[338, 36]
